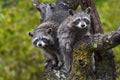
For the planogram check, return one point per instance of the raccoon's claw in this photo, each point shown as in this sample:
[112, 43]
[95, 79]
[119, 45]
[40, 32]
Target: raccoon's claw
[60, 64]
[66, 69]
[48, 66]
[67, 65]
[54, 63]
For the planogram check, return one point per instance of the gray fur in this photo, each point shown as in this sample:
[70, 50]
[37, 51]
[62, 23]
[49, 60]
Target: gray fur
[69, 32]
[52, 49]
[43, 35]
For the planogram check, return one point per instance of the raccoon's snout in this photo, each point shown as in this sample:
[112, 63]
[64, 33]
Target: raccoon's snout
[38, 44]
[82, 25]
[41, 42]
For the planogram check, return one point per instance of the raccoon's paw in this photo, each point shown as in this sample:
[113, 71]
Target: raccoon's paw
[67, 66]
[54, 63]
[66, 69]
[48, 66]
[60, 64]
[61, 75]
[60, 61]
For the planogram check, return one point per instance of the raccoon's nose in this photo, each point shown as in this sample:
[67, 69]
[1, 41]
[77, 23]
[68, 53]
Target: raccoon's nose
[82, 25]
[39, 45]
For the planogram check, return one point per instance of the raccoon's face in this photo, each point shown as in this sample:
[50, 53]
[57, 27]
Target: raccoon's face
[42, 38]
[82, 19]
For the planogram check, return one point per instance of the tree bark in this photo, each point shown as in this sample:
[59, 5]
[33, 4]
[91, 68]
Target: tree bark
[99, 41]
[71, 4]
[46, 10]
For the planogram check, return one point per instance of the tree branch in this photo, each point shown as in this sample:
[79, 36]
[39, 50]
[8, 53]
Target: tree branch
[99, 41]
[83, 51]
[70, 4]
[46, 10]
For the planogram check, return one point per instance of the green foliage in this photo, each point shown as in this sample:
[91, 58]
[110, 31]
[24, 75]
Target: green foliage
[19, 59]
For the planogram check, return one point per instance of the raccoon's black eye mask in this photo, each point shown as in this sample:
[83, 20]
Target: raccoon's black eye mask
[76, 21]
[87, 21]
[45, 40]
[35, 42]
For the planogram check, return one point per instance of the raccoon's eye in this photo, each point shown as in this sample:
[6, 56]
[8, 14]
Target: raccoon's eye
[35, 41]
[45, 40]
[76, 21]
[87, 21]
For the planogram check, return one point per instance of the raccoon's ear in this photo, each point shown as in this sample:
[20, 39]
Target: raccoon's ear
[30, 34]
[88, 10]
[71, 12]
[49, 30]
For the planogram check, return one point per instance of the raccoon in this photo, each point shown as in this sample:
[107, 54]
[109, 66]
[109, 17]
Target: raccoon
[43, 38]
[73, 28]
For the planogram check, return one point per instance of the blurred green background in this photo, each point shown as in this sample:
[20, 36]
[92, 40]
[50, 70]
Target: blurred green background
[19, 59]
